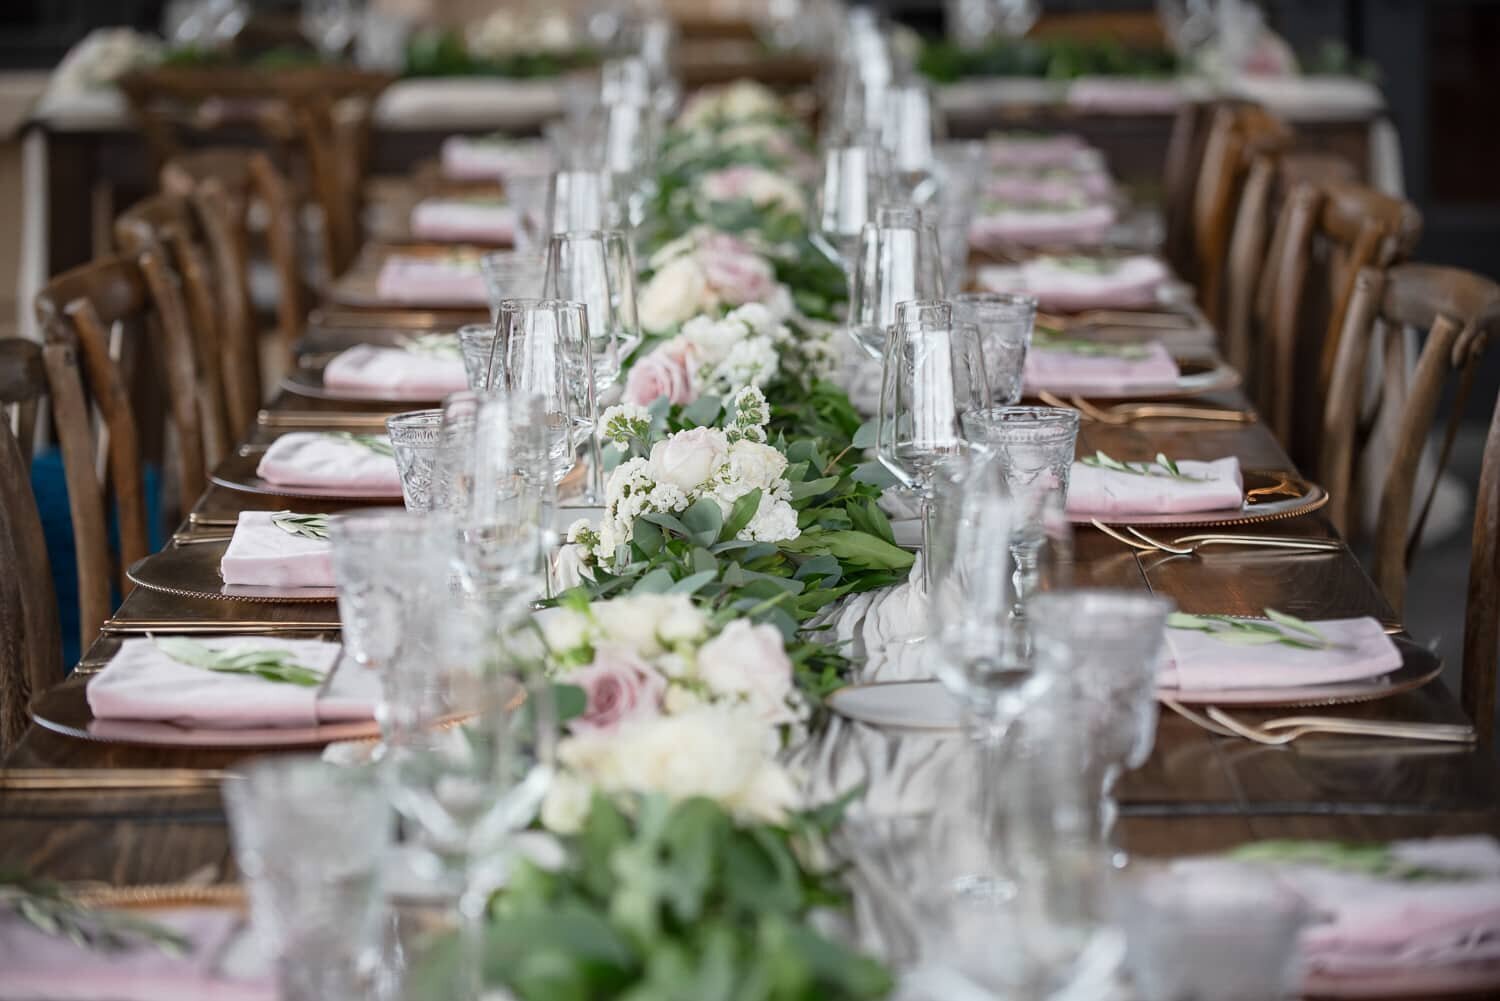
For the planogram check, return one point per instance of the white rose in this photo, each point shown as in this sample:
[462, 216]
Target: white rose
[567, 804]
[677, 292]
[712, 339]
[679, 247]
[629, 623]
[767, 189]
[750, 661]
[752, 465]
[681, 620]
[748, 99]
[688, 459]
[564, 629]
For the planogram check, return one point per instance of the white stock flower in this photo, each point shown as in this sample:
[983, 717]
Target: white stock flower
[676, 293]
[751, 362]
[774, 521]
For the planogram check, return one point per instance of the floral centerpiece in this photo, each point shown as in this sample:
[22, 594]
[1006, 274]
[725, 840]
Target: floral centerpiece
[675, 703]
[703, 271]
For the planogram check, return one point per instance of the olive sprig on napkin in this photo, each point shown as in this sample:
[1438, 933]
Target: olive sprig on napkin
[48, 907]
[1160, 466]
[272, 665]
[1288, 630]
[308, 526]
[377, 443]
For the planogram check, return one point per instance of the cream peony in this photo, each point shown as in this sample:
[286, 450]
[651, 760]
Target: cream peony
[750, 661]
[690, 458]
[676, 293]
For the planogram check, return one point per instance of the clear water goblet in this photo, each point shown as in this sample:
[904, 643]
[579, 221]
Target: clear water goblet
[1005, 321]
[476, 342]
[414, 442]
[513, 274]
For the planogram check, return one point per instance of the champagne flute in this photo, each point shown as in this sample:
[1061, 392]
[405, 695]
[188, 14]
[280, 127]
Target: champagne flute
[909, 123]
[898, 261]
[595, 267]
[849, 184]
[536, 355]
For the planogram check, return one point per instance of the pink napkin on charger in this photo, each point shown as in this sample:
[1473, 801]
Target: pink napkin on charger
[141, 682]
[1058, 370]
[447, 281]
[1376, 936]
[1124, 95]
[1062, 286]
[1042, 222]
[1204, 486]
[328, 461]
[456, 220]
[476, 158]
[1197, 661]
[261, 553]
[38, 967]
[404, 375]
[1048, 185]
[1007, 149]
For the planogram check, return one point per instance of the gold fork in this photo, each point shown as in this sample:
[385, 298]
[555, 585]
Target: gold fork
[1287, 729]
[1190, 544]
[1129, 413]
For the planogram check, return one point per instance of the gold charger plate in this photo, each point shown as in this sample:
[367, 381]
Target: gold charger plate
[1269, 496]
[193, 572]
[359, 286]
[237, 472]
[308, 381]
[926, 705]
[1199, 374]
[65, 709]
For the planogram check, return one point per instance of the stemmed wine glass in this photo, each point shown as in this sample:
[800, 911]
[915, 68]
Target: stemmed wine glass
[909, 123]
[582, 200]
[593, 267]
[898, 261]
[932, 375]
[850, 183]
[331, 25]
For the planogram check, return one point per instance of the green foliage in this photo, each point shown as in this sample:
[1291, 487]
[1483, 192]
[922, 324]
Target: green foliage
[1053, 59]
[675, 902]
[442, 52]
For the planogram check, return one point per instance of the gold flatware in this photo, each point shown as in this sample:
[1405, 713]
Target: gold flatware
[229, 895]
[1129, 413]
[1189, 544]
[253, 449]
[1282, 487]
[1289, 728]
[193, 539]
[58, 779]
[209, 521]
[319, 420]
[210, 626]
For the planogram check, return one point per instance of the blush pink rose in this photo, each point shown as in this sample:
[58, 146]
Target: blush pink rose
[737, 277]
[664, 372]
[619, 687]
[729, 183]
[750, 661]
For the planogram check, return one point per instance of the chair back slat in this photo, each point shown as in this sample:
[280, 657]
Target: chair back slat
[1481, 665]
[23, 384]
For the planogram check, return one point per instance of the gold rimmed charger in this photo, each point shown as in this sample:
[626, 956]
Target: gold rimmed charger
[1198, 374]
[308, 381]
[193, 572]
[1270, 495]
[238, 472]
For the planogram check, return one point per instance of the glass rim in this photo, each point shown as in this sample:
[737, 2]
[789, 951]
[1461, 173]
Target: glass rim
[476, 329]
[398, 519]
[515, 304]
[1118, 601]
[1034, 417]
[415, 418]
[496, 257]
[1020, 302]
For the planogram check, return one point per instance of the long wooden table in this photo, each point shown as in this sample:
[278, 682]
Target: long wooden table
[1197, 792]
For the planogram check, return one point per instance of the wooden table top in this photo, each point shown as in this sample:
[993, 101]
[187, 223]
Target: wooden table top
[1198, 792]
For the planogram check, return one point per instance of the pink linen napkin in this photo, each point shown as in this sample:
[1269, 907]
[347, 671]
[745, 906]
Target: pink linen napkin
[1124, 95]
[1066, 285]
[1058, 370]
[38, 967]
[141, 682]
[1042, 222]
[1204, 486]
[448, 281]
[1197, 661]
[1054, 184]
[1011, 149]
[263, 554]
[1378, 936]
[403, 375]
[456, 220]
[328, 461]
[476, 158]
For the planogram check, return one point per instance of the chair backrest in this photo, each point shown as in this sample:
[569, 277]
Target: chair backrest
[165, 229]
[1482, 614]
[30, 642]
[1238, 135]
[1184, 162]
[226, 186]
[1326, 233]
[1460, 312]
[98, 323]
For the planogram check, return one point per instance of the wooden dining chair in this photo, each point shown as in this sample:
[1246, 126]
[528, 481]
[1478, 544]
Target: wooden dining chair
[30, 640]
[1324, 235]
[238, 195]
[165, 229]
[1460, 313]
[1184, 163]
[104, 334]
[1239, 135]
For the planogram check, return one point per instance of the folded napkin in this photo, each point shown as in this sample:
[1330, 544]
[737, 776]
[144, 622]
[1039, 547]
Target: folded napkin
[1060, 370]
[1198, 661]
[35, 966]
[474, 158]
[1042, 222]
[264, 554]
[1124, 95]
[1056, 184]
[1425, 923]
[448, 281]
[329, 460]
[142, 683]
[1203, 486]
[1012, 149]
[1071, 285]
[404, 375]
[456, 220]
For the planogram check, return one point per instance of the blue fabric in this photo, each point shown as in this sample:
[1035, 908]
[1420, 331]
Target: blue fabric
[51, 489]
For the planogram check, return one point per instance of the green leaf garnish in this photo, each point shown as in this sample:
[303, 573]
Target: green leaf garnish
[1282, 628]
[50, 909]
[377, 443]
[308, 526]
[272, 665]
[1161, 466]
